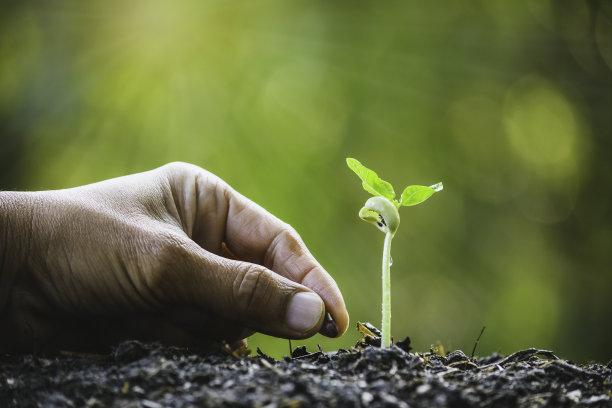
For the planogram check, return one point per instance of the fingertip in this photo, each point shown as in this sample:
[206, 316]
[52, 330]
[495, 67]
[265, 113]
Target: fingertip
[305, 312]
[341, 319]
[338, 315]
[346, 321]
[324, 285]
[335, 327]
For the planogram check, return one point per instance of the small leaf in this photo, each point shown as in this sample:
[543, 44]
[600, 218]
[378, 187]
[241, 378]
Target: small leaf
[414, 195]
[370, 180]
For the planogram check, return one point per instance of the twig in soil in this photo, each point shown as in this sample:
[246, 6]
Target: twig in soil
[477, 340]
[309, 355]
[574, 369]
[449, 370]
[152, 373]
[151, 404]
[290, 348]
[493, 367]
[269, 366]
[300, 353]
[522, 355]
[464, 362]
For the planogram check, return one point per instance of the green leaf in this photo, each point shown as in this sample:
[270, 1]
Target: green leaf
[370, 180]
[414, 195]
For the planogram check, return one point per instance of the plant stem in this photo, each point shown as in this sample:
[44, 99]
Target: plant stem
[386, 292]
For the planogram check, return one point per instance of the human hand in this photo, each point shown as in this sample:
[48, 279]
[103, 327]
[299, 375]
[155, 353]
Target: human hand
[141, 256]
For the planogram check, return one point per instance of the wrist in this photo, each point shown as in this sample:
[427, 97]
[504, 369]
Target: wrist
[15, 231]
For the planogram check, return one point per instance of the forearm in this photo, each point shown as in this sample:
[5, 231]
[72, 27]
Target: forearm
[15, 213]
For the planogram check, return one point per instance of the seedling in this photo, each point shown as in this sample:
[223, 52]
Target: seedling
[382, 211]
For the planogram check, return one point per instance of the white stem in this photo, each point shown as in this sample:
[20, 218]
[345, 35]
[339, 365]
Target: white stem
[386, 292]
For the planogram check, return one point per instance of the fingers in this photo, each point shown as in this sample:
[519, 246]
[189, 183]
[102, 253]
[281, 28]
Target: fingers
[255, 235]
[221, 215]
[248, 295]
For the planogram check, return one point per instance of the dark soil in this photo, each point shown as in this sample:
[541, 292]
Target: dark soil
[151, 376]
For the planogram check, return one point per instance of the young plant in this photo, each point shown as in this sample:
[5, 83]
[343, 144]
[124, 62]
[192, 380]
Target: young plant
[382, 211]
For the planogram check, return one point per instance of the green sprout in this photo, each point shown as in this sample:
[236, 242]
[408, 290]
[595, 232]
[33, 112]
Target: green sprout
[382, 211]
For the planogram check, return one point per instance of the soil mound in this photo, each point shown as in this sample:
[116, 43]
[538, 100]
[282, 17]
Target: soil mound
[153, 376]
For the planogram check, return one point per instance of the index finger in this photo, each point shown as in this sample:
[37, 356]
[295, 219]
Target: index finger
[257, 236]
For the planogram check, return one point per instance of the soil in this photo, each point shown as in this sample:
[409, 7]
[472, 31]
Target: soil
[154, 376]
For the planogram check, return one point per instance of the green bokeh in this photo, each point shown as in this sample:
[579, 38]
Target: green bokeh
[508, 103]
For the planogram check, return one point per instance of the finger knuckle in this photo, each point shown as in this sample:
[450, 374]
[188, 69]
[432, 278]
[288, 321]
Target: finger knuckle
[251, 287]
[293, 238]
[292, 233]
[289, 238]
[180, 170]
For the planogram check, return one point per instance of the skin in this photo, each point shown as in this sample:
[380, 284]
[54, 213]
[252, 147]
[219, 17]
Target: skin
[143, 256]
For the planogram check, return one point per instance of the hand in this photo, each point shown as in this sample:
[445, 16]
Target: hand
[142, 256]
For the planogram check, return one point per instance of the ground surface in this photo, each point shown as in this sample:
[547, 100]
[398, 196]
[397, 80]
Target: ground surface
[152, 376]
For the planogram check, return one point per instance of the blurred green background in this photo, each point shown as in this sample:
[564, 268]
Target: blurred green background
[509, 103]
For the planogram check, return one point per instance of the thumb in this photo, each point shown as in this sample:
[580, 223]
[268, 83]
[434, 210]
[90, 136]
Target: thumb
[252, 296]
